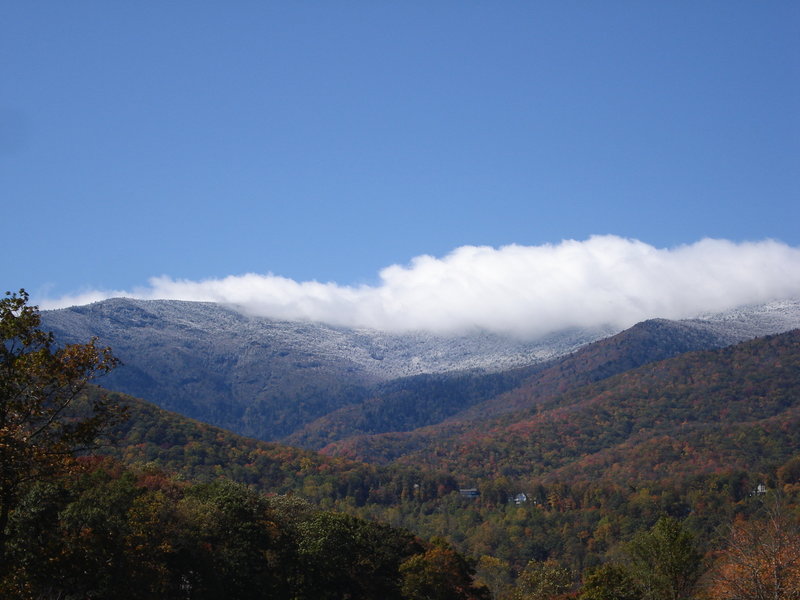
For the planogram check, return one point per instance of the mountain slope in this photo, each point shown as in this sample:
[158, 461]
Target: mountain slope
[690, 435]
[734, 407]
[643, 343]
[266, 378]
[409, 403]
[202, 452]
[312, 384]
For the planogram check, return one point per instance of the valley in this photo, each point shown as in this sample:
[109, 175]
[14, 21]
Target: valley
[565, 458]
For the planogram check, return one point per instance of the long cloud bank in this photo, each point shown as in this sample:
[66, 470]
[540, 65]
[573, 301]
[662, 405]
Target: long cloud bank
[522, 290]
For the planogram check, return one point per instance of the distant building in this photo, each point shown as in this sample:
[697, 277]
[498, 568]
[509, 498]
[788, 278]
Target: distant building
[520, 498]
[469, 492]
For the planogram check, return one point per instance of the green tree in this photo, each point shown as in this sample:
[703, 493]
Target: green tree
[542, 580]
[496, 574]
[440, 573]
[663, 561]
[609, 582]
[236, 549]
[116, 533]
[344, 557]
[789, 473]
[41, 424]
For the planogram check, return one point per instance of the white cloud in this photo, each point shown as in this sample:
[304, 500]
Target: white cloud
[523, 290]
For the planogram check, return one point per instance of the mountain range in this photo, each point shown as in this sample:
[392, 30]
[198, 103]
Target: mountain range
[697, 412]
[563, 457]
[312, 385]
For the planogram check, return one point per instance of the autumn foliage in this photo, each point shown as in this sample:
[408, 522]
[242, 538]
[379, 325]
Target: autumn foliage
[41, 425]
[761, 560]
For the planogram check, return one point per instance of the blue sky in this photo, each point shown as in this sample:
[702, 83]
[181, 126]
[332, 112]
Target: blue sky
[329, 140]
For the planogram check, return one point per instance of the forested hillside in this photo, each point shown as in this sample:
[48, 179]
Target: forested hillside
[141, 533]
[573, 479]
[202, 452]
[311, 384]
[409, 403]
[644, 343]
[268, 379]
[77, 525]
[576, 477]
[692, 413]
[733, 407]
[412, 403]
[578, 524]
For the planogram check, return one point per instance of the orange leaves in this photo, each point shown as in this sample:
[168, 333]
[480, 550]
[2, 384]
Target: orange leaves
[761, 560]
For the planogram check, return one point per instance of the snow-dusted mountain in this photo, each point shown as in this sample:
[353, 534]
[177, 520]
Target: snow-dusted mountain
[129, 325]
[747, 322]
[267, 378]
[370, 354]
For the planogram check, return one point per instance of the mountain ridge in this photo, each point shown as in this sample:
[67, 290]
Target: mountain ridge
[275, 380]
[696, 400]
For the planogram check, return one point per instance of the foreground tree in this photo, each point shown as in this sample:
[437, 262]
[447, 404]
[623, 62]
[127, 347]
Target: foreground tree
[496, 574]
[664, 562]
[42, 426]
[761, 560]
[542, 580]
[610, 582]
[440, 573]
[345, 557]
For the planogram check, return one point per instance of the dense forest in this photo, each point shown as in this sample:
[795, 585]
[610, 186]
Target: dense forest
[600, 476]
[112, 531]
[601, 485]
